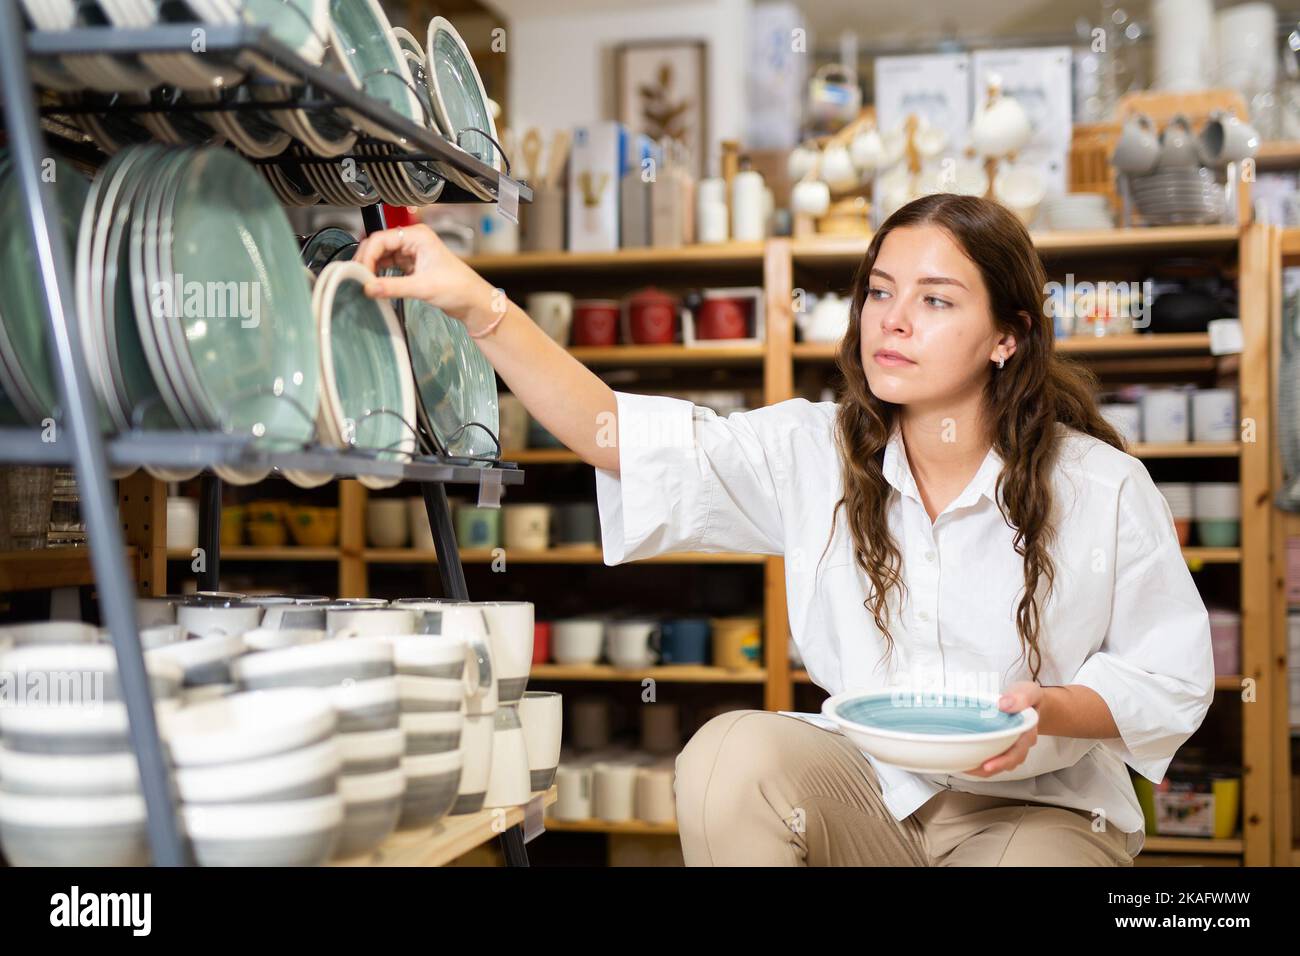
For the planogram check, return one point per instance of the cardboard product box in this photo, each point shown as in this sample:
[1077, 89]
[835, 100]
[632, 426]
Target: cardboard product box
[936, 86]
[635, 192]
[1041, 80]
[597, 162]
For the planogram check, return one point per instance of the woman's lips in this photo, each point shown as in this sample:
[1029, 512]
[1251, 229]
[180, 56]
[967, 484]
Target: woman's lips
[891, 359]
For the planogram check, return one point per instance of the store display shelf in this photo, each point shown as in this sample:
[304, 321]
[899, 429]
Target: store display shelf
[617, 828]
[267, 59]
[675, 673]
[1207, 449]
[1129, 344]
[1278, 154]
[834, 251]
[1197, 555]
[1290, 244]
[182, 450]
[44, 568]
[578, 554]
[1176, 844]
[1229, 682]
[451, 837]
[541, 456]
[723, 254]
[632, 355]
[254, 553]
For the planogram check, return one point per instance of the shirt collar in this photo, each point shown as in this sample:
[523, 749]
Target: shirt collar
[898, 473]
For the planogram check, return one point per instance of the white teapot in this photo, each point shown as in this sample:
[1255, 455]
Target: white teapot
[1002, 126]
[828, 320]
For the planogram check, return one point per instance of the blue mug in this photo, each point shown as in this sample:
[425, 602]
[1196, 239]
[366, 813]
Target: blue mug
[685, 640]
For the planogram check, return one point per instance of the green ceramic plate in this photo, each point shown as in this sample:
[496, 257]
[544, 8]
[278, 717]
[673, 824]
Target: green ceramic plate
[459, 100]
[301, 25]
[251, 340]
[456, 383]
[367, 371]
[372, 57]
[27, 353]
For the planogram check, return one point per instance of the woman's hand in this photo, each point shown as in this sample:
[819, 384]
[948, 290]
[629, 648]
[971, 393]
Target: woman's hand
[1014, 699]
[432, 273]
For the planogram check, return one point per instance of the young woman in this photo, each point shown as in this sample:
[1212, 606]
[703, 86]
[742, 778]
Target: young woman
[962, 517]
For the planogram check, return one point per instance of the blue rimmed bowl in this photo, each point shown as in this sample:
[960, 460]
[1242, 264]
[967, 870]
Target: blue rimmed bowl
[927, 731]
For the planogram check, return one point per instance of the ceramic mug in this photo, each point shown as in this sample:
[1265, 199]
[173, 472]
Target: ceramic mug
[542, 714]
[478, 527]
[514, 423]
[417, 513]
[386, 525]
[721, 317]
[1178, 147]
[1138, 149]
[590, 718]
[632, 643]
[655, 800]
[595, 322]
[573, 796]
[509, 784]
[737, 642]
[1214, 414]
[1226, 139]
[685, 641]
[553, 313]
[541, 642]
[1164, 415]
[510, 634]
[466, 621]
[577, 523]
[614, 790]
[652, 317]
[477, 740]
[209, 618]
[661, 731]
[528, 526]
[577, 640]
[369, 621]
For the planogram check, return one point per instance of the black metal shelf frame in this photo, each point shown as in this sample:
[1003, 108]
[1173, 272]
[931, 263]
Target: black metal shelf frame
[79, 441]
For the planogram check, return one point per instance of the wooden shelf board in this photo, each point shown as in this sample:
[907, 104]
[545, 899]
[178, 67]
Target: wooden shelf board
[1212, 555]
[1174, 844]
[729, 253]
[1290, 243]
[541, 456]
[578, 554]
[676, 673]
[1113, 345]
[1216, 449]
[633, 355]
[244, 552]
[1278, 154]
[622, 828]
[835, 251]
[450, 838]
[42, 568]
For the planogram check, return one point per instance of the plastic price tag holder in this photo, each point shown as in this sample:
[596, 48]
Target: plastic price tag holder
[508, 198]
[1225, 336]
[534, 817]
[489, 489]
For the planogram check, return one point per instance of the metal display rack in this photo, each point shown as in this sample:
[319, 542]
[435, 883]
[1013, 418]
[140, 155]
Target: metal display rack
[77, 439]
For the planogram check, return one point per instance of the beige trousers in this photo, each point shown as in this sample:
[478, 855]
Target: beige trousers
[757, 788]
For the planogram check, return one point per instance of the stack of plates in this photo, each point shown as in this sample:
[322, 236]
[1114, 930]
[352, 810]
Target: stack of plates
[457, 384]
[1078, 211]
[1180, 196]
[196, 310]
[368, 394]
[459, 101]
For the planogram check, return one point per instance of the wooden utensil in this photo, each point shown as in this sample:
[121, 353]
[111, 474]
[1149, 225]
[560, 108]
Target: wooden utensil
[531, 150]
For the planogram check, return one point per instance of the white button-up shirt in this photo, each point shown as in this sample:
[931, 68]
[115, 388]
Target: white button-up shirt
[1124, 618]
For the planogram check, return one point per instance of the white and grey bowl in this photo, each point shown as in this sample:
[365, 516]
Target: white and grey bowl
[288, 833]
[372, 751]
[372, 805]
[40, 830]
[432, 732]
[432, 781]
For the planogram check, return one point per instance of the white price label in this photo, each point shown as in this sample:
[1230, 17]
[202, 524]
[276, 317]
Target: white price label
[489, 489]
[1225, 337]
[508, 198]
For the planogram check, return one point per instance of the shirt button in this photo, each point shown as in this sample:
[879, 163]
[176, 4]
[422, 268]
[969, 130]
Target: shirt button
[929, 555]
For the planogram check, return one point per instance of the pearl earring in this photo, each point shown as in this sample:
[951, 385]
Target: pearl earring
[1001, 362]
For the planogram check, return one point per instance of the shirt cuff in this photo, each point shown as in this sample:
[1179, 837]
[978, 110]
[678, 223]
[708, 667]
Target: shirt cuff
[646, 507]
[1133, 697]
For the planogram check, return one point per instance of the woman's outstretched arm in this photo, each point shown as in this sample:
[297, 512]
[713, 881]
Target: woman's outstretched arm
[558, 390]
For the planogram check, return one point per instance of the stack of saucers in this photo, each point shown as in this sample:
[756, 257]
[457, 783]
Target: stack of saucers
[69, 785]
[1182, 195]
[357, 677]
[1078, 211]
[257, 775]
[431, 688]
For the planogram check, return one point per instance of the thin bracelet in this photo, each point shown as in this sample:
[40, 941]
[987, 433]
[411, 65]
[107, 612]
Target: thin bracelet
[488, 331]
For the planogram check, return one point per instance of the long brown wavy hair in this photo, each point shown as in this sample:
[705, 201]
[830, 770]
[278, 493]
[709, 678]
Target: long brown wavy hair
[1024, 403]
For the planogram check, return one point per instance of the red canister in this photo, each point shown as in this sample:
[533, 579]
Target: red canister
[722, 317]
[595, 322]
[541, 642]
[652, 317]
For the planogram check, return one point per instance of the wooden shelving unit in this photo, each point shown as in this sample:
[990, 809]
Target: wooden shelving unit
[679, 673]
[38, 570]
[578, 554]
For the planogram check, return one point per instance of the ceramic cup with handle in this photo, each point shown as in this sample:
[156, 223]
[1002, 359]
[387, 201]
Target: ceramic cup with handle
[685, 641]
[542, 714]
[1214, 414]
[632, 643]
[369, 621]
[614, 789]
[509, 781]
[1178, 146]
[573, 796]
[1226, 139]
[577, 640]
[206, 618]
[466, 621]
[386, 522]
[1138, 149]
[1164, 415]
[737, 642]
[553, 312]
[655, 800]
[514, 422]
[510, 633]
[528, 526]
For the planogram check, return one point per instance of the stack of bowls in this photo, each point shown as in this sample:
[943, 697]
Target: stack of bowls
[1217, 506]
[432, 686]
[257, 775]
[356, 676]
[1179, 496]
[69, 785]
[1179, 195]
[1078, 211]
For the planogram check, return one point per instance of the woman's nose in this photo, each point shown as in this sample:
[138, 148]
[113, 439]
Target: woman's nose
[894, 318]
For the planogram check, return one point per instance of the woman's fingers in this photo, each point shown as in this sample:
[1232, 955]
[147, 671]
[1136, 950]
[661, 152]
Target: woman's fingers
[396, 287]
[384, 244]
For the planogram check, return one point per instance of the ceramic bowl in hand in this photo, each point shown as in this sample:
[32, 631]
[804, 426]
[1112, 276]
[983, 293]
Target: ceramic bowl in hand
[925, 731]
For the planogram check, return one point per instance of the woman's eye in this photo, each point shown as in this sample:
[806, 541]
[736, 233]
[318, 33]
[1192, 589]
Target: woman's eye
[937, 302]
[876, 293]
